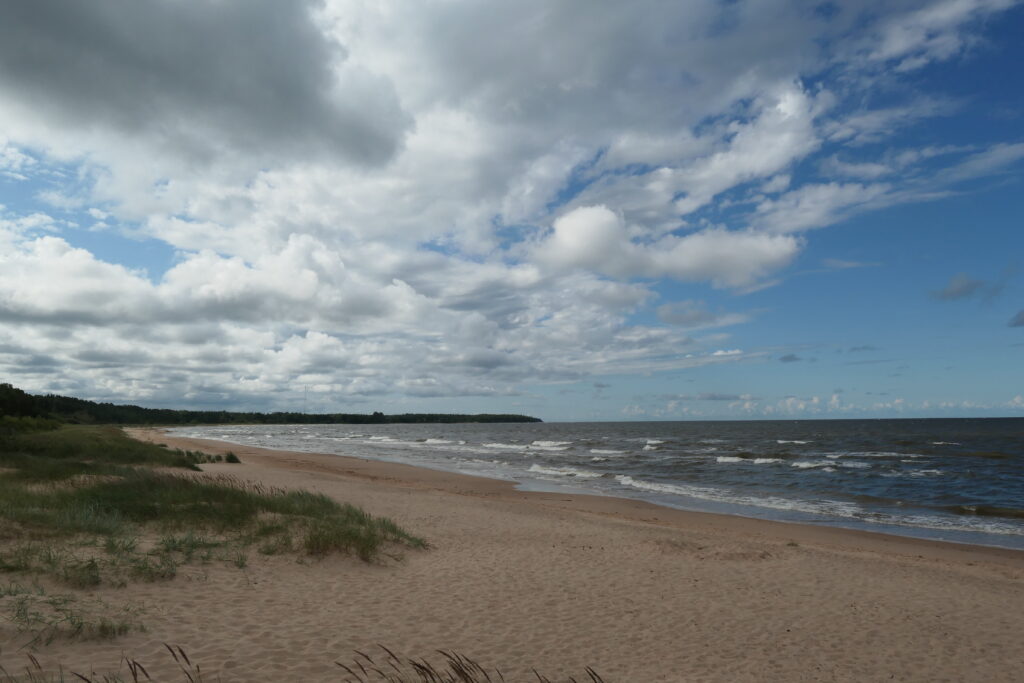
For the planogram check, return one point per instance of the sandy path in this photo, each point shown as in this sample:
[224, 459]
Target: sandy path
[559, 582]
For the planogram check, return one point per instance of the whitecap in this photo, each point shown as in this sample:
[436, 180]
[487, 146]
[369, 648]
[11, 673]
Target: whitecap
[606, 451]
[564, 472]
[507, 446]
[926, 473]
[790, 441]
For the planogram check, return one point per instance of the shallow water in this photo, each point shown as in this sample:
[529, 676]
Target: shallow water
[960, 480]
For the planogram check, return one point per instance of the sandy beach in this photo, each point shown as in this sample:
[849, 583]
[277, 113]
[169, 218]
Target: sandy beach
[522, 580]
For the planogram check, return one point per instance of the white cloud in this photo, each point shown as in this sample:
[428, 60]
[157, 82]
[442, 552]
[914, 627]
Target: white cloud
[815, 206]
[432, 198]
[595, 238]
[934, 32]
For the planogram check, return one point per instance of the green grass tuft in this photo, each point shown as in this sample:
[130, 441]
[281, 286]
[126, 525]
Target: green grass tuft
[85, 495]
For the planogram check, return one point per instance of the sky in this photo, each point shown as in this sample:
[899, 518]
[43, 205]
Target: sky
[578, 210]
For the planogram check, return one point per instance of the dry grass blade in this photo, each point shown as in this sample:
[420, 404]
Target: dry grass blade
[134, 668]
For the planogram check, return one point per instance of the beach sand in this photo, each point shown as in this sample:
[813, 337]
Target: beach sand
[560, 582]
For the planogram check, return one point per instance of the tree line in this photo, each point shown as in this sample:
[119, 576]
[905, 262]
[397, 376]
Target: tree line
[18, 403]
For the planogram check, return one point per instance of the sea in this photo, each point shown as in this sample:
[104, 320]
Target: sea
[958, 480]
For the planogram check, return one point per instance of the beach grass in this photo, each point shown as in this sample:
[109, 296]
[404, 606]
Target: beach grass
[382, 666]
[87, 506]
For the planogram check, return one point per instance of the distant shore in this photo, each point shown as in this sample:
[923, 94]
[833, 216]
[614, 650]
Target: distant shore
[557, 582]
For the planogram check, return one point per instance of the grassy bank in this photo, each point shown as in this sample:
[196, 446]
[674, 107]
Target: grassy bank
[83, 507]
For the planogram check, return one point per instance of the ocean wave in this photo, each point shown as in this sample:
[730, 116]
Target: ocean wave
[755, 461]
[810, 464]
[926, 473]
[987, 511]
[565, 472]
[507, 446]
[871, 454]
[791, 441]
[821, 507]
[606, 451]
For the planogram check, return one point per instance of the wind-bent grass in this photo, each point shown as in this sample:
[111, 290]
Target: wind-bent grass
[75, 502]
[387, 667]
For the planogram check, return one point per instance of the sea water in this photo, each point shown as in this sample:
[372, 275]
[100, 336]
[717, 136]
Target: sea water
[950, 479]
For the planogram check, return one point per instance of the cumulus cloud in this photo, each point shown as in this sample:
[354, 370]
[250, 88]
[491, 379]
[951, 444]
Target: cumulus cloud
[200, 78]
[595, 238]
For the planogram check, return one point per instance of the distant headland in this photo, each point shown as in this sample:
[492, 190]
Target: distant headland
[18, 403]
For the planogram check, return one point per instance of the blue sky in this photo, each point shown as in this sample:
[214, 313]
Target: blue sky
[580, 211]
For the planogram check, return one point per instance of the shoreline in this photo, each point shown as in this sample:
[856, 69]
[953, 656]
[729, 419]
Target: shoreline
[557, 582]
[627, 508]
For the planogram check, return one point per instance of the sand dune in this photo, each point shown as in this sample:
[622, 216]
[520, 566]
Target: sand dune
[559, 582]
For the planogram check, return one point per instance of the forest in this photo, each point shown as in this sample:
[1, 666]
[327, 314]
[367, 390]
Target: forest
[15, 402]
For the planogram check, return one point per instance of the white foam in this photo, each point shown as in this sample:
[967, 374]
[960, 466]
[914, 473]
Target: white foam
[871, 454]
[606, 451]
[855, 464]
[822, 507]
[564, 472]
[808, 464]
[548, 444]
[649, 447]
[437, 441]
[945, 443]
[926, 473]
[792, 441]
[507, 446]
[753, 461]
[653, 442]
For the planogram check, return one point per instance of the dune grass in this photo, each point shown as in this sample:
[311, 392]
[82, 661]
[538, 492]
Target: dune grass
[87, 506]
[386, 667]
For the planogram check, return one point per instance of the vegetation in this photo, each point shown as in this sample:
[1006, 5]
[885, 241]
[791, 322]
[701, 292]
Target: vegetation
[17, 403]
[85, 506]
[363, 668]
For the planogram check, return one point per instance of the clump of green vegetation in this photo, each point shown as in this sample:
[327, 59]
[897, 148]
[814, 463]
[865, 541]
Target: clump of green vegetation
[198, 457]
[44, 617]
[88, 506]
